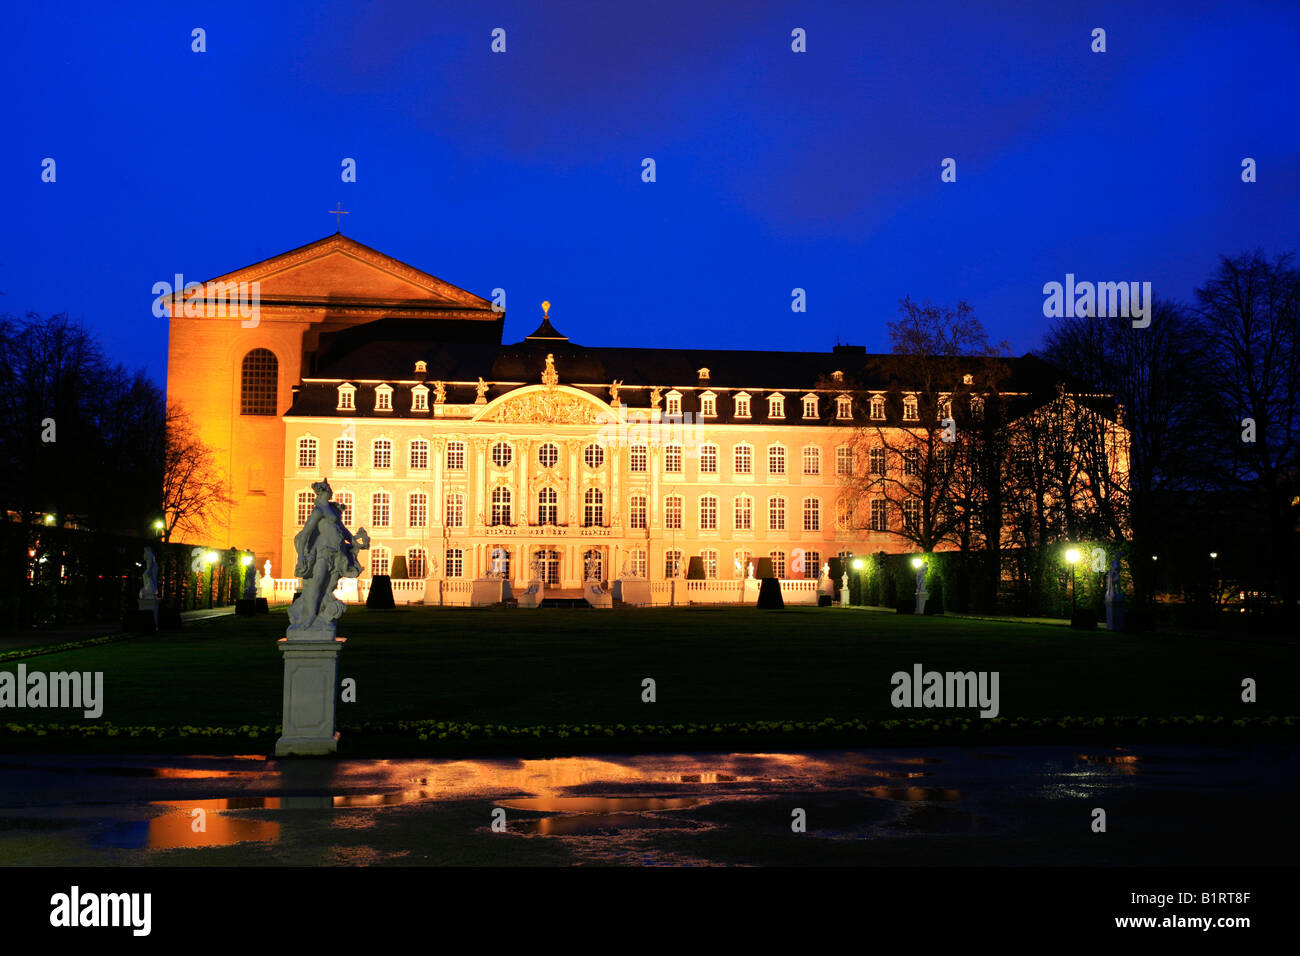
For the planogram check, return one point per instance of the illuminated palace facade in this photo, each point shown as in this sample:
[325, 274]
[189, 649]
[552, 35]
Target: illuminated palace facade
[446, 444]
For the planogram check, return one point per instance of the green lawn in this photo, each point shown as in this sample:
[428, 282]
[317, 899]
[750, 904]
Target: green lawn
[515, 667]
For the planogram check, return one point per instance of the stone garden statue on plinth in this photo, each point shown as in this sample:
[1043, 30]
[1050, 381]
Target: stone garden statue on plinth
[327, 551]
[148, 600]
[922, 595]
[844, 589]
[1114, 597]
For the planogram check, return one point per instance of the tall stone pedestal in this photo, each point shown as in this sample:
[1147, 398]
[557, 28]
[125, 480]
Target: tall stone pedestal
[311, 689]
[489, 591]
[634, 591]
[921, 598]
[148, 613]
[1115, 614]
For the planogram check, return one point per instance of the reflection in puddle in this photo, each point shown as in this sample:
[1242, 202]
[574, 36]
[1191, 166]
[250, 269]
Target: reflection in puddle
[589, 823]
[914, 794]
[599, 804]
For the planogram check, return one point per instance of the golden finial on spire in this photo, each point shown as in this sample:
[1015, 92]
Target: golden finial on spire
[546, 310]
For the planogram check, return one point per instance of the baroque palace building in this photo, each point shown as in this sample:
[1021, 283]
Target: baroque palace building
[445, 443]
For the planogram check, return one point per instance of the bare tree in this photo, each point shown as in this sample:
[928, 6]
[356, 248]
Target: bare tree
[194, 491]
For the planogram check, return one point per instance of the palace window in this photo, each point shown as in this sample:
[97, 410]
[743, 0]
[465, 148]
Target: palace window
[674, 405]
[877, 408]
[548, 454]
[418, 510]
[812, 514]
[416, 563]
[743, 558]
[943, 460]
[742, 405]
[344, 500]
[380, 509]
[673, 458]
[501, 506]
[306, 502]
[744, 513]
[844, 460]
[384, 398]
[594, 456]
[455, 563]
[778, 563]
[912, 462]
[419, 454]
[455, 456]
[810, 406]
[912, 514]
[844, 514]
[381, 455]
[909, 409]
[710, 559]
[502, 455]
[548, 507]
[776, 514]
[455, 517]
[876, 461]
[976, 407]
[812, 564]
[636, 563]
[744, 460]
[593, 565]
[776, 460]
[844, 408]
[379, 560]
[708, 513]
[776, 406]
[945, 409]
[812, 460]
[420, 398]
[879, 514]
[306, 453]
[344, 453]
[637, 458]
[708, 405]
[673, 512]
[593, 508]
[672, 563]
[421, 367]
[636, 511]
[708, 459]
[258, 378]
[347, 398]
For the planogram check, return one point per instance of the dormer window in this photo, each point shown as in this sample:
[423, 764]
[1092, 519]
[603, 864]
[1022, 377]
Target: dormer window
[968, 379]
[420, 398]
[708, 405]
[837, 376]
[776, 406]
[674, 405]
[810, 406]
[347, 397]
[877, 408]
[384, 398]
[844, 408]
[742, 405]
[909, 409]
[703, 374]
[421, 367]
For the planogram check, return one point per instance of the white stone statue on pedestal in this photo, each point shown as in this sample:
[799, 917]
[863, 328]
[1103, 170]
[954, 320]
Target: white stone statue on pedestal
[327, 551]
[266, 585]
[1115, 599]
[751, 571]
[922, 595]
[498, 563]
[826, 572]
[844, 589]
[149, 578]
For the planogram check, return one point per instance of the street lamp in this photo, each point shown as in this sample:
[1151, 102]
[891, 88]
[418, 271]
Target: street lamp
[1072, 556]
[857, 564]
[917, 562]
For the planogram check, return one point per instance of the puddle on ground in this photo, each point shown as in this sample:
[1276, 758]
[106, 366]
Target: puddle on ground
[914, 794]
[599, 804]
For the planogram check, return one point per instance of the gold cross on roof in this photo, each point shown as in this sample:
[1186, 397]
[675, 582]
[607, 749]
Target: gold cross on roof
[339, 213]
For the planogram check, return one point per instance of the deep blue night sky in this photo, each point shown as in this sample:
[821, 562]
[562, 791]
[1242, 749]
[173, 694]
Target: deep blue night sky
[775, 169]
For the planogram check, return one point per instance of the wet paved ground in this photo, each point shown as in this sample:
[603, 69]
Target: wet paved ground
[946, 805]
